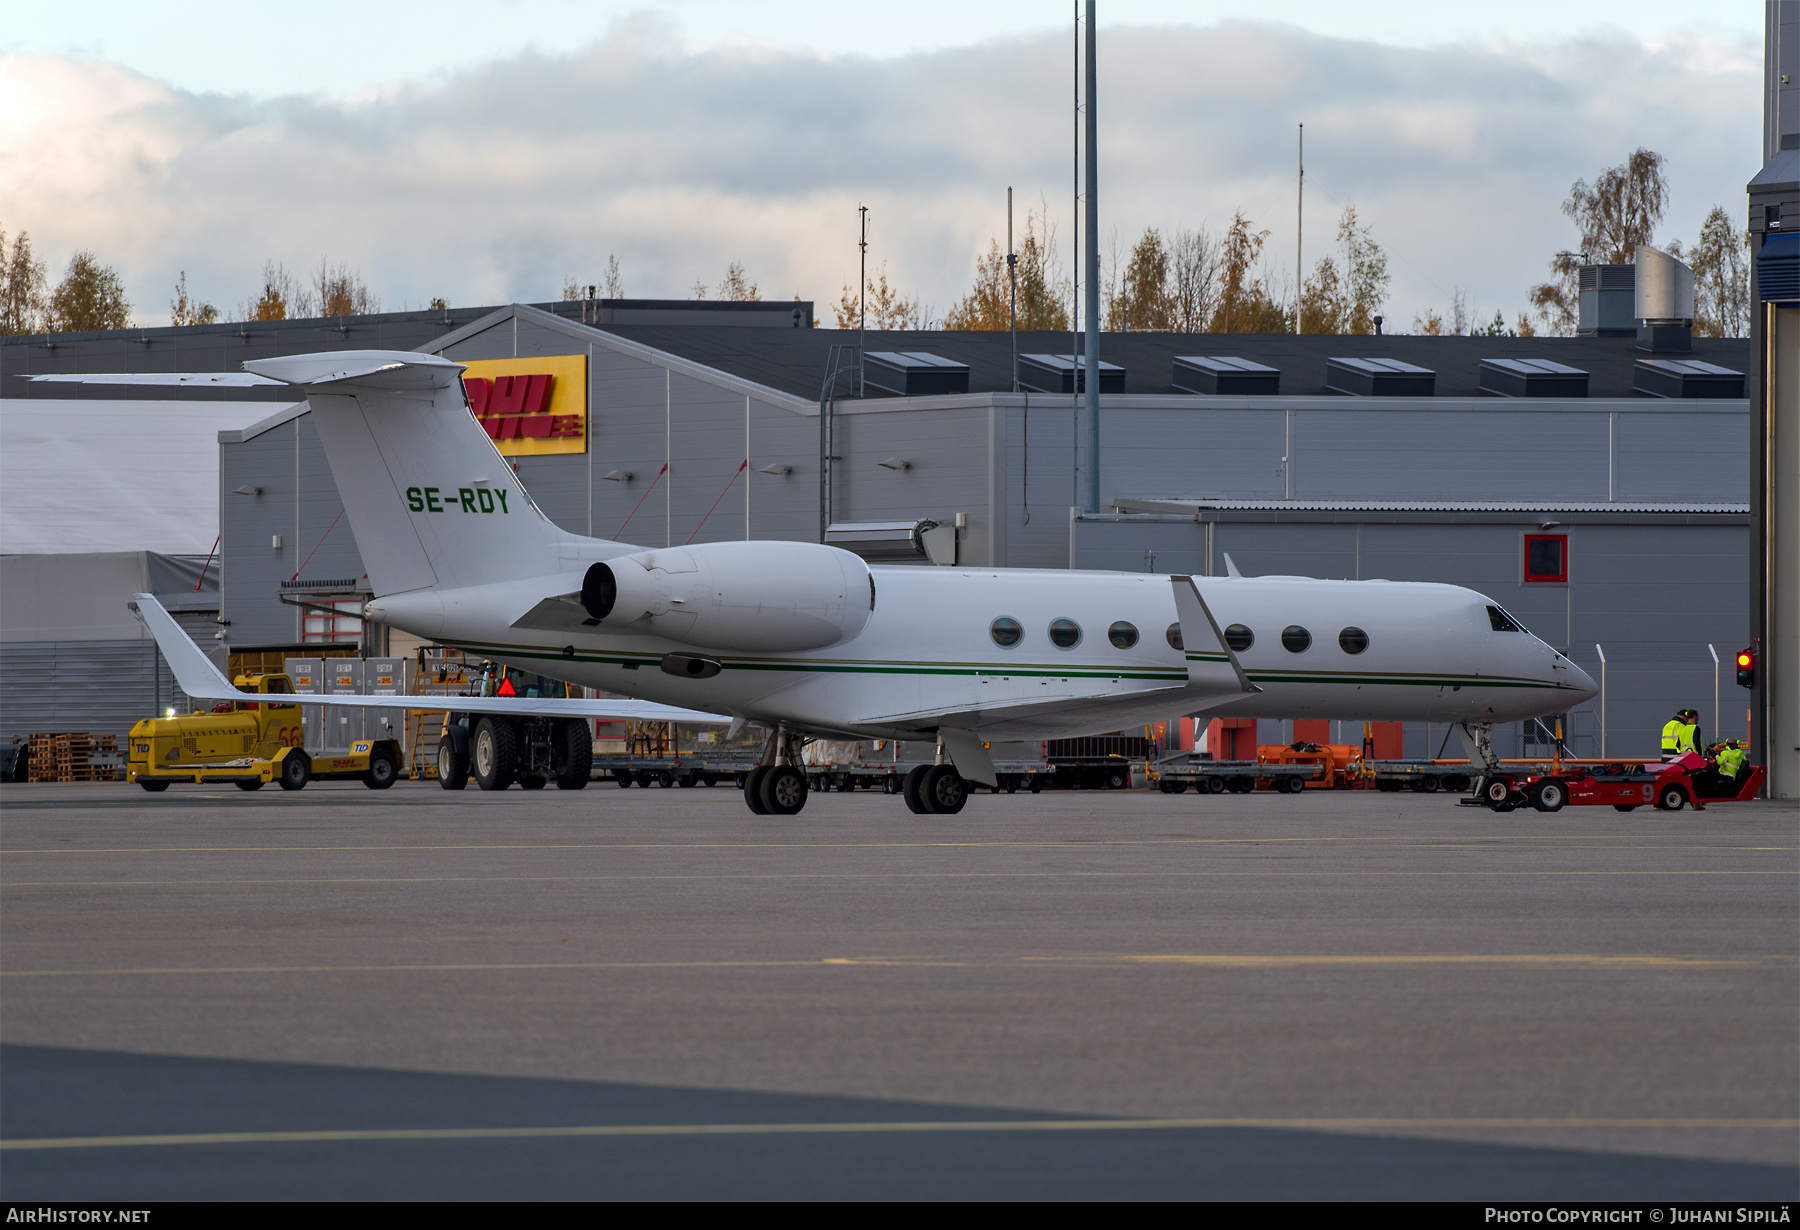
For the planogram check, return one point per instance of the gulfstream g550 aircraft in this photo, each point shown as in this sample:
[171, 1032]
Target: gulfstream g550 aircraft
[808, 640]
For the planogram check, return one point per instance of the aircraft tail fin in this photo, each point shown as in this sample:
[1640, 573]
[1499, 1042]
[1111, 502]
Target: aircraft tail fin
[430, 499]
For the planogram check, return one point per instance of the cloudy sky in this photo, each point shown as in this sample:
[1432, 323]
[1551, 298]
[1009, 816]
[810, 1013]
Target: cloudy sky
[486, 152]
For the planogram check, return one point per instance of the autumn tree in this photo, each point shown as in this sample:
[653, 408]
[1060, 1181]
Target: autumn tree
[341, 291]
[184, 310]
[1720, 261]
[1138, 301]
[887, 308]
[23, 297]
[1041, 287]
[283, 296]
[1346, 301]
[90, 296]
[1620, 211]
[1245, 304]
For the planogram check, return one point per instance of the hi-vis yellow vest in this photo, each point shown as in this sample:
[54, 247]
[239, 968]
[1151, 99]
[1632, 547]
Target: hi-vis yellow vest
[1678, 737]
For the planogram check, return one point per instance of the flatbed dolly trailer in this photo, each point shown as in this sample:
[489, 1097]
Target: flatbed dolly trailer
[666, 771]
[1235, 776]
[1688, 780]
[889, 776]
[1420, 776]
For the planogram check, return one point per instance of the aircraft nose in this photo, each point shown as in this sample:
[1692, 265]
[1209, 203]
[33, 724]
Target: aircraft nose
[1582, 681]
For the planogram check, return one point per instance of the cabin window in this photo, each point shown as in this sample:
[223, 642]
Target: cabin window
[1353, 640]
[1173, 636]
[1547, 558]
[1122, 635]
[1295, 639]
[1006, 632]
[1239, 638]
[1065, 633]
[1500, 621]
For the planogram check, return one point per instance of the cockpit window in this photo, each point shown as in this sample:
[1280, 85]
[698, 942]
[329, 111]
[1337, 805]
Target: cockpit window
[1502, 622]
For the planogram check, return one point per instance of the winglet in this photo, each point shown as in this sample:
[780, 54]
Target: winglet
[1192, 612]
[194, 671]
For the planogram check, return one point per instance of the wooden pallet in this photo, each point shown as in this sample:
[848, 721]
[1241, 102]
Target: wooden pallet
[63, 757]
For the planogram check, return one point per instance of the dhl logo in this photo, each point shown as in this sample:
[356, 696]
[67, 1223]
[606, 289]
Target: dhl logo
[531, 406]
[518, 408]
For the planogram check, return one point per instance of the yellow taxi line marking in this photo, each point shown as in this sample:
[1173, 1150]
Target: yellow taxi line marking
[796, 1129]
[869, 875]
[1216, 960]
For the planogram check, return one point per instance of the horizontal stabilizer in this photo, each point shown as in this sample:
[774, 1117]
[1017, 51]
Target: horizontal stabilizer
[200, 679]
[193, 380]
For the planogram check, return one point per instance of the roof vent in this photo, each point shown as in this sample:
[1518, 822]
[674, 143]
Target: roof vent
[1225, 374]
[1061, 373]
[1606, 308]
[914, 373]
[1663, 303]
[1532, 378]
[1686, 378]
[1379, 378]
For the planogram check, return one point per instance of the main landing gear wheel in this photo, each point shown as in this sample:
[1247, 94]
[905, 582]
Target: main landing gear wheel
[943, 790]
[783, 790]
[452, 767]
[913, 790]
[1549, 794]
[753, 789]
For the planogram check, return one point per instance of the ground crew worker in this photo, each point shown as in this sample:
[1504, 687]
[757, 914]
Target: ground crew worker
[1680, 734]
[1731, 759]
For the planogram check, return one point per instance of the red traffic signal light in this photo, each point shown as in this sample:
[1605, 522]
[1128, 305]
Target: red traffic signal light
[1746, 668]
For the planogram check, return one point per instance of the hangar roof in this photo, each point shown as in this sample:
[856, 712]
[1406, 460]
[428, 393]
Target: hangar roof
[794, 360]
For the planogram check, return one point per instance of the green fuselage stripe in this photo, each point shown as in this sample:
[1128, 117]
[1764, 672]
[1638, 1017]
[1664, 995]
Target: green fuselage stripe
[1031, 671]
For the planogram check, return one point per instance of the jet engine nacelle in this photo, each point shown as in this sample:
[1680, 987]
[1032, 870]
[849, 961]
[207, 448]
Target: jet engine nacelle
[753, 596]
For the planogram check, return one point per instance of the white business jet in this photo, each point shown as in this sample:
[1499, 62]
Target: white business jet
[808, 640]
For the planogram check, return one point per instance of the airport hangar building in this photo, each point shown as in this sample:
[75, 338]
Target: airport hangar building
[1597, 491]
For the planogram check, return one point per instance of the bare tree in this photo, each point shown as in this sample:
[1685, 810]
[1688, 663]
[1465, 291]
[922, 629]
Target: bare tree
[23, 293]
[184, 310]
[1193, 289]
[90, 296]
[1614, 216]
[614, 285]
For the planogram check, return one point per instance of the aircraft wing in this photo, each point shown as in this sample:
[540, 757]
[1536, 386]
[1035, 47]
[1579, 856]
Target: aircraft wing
[200, 679]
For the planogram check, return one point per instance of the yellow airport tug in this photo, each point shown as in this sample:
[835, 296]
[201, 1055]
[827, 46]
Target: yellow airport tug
[248, 744]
